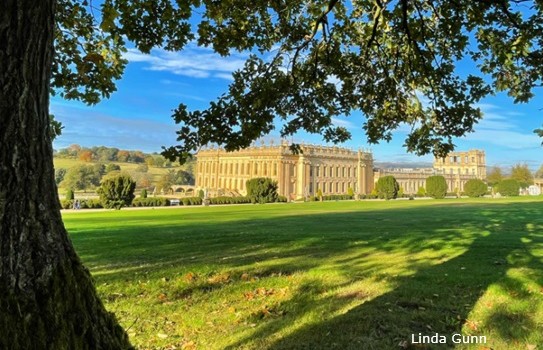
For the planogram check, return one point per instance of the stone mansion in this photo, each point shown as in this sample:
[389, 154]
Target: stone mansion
[333, 170]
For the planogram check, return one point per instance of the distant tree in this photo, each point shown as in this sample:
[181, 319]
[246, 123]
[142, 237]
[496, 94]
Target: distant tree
[387, 187]
[436, 186]
[494, 176]
[158, 161]
[539, 172]
[143, 180]
[522, 174]
[150, 160]
[136, 157]
[142, 168]
[117, 192]
[99, 169]
[123, 156]
[112, 167]
[85, 156]
[508, 187]
[73, 150]
[59, 175]
[262, 190]
[143, 193]
[475, 188]
[81, 177]
[105, 154]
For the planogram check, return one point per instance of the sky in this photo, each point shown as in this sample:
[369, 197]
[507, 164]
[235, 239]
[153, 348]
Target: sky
[138, 115]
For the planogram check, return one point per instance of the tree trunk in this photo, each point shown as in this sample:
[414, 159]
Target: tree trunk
[47, 298]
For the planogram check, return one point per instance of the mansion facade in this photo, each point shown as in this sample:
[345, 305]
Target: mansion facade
[332, 170]
[457, 168]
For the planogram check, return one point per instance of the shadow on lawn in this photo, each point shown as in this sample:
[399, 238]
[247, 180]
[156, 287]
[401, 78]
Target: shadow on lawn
[437, 297]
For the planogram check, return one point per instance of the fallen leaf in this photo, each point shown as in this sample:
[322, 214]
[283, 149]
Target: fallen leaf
[190, 345]
[162, 335]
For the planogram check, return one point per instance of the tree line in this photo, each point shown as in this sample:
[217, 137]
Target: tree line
[111, 154]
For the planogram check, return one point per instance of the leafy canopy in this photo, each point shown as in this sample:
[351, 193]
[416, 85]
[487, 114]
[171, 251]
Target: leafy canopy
[393, 61]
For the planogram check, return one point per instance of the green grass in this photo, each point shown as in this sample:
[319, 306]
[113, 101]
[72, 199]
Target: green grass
[345, 275]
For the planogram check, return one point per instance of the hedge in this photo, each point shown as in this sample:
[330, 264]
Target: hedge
[475, 188]
[151, 202]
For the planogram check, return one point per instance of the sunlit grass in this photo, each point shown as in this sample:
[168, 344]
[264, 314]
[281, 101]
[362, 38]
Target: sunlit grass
[360, 275]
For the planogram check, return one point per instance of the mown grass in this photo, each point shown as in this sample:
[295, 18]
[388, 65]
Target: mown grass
[345, 275]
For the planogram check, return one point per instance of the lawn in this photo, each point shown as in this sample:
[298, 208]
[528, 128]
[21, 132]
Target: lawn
[345, 275]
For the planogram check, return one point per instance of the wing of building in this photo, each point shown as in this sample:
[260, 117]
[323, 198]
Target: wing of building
[333, 170]
[457, 168]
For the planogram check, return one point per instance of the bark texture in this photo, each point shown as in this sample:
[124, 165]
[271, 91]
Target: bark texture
[47, 298]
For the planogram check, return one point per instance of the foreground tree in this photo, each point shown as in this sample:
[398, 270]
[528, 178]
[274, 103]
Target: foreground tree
[47, 297]
[332, 58]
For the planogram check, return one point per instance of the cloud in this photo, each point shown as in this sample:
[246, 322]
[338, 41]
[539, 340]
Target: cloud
[194, 61]
[91, 128]
[498, 128]
[343, 123]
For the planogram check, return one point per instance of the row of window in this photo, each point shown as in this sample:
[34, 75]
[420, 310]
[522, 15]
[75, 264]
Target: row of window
[458, 159]
[263, 169]
[239, 184]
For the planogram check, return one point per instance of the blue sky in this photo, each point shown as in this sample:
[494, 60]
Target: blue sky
[138, 115]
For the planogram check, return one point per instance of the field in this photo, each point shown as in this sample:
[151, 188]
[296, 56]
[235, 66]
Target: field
[344, 275]
[155, 172]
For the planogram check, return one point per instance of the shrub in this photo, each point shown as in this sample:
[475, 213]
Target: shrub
[319, 194]
[91, 204]
[70, 194]
[143, 193]
[436, 186]
[509, 187]
[112, 167]
[117, 192]
[67, 203]
[262, 190]
[400, 193]
[387, 187]
[281, 199]
[475, 188]
[201, 194]
[421, 192]
[350, 192]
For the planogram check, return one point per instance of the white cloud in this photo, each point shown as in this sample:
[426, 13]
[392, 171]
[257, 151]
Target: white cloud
[499, 128]
[343, 123]
[89, 128]
[194, 61]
